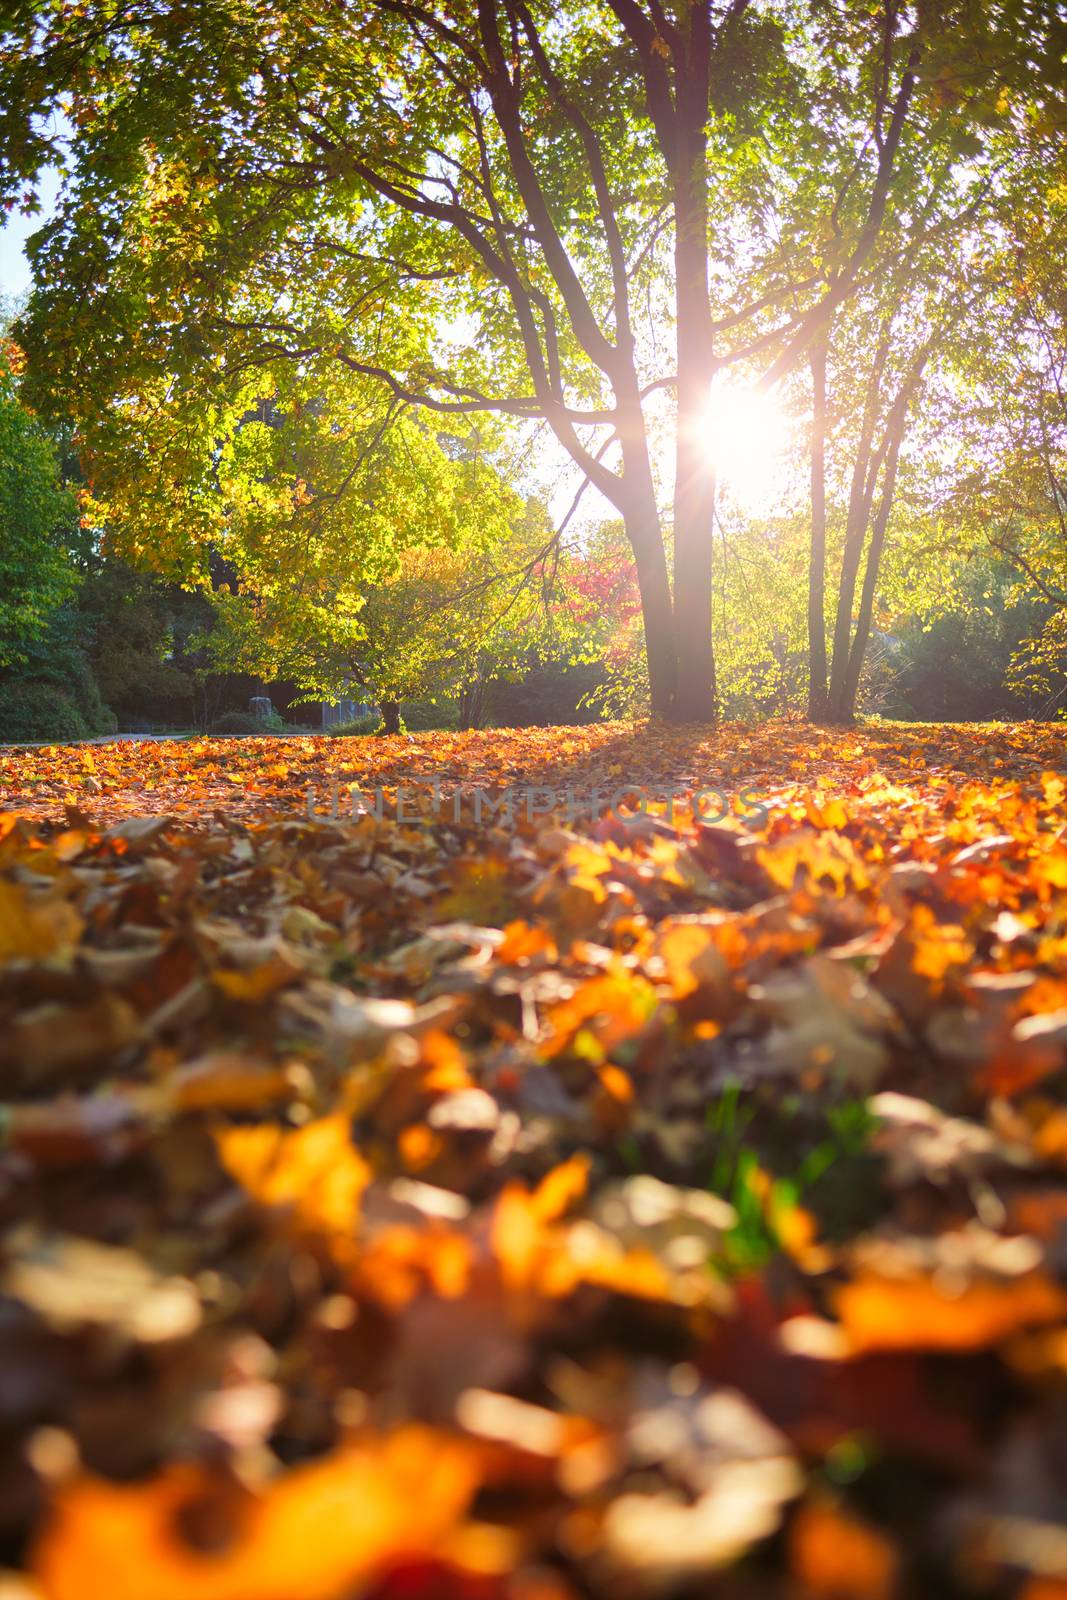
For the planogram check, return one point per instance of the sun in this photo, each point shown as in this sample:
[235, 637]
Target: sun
[748, 434]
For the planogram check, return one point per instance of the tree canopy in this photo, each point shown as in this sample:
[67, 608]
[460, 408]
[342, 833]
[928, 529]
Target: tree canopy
[579, 217]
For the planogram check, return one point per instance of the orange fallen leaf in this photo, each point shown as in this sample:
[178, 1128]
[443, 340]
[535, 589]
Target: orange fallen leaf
[315, 1170]
[835, 1555]
[314, 1532]
[882, 1313]
[32, 927]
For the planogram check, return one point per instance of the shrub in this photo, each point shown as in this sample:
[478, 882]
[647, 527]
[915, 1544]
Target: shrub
[547, 695]
[419, 715]
[357, 728]
[136, 630]
[56, 667]
[245, 723]
[416, 716]
[34, 710]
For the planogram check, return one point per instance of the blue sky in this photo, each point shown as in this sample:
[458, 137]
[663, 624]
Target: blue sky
[15, 230]
[14, 273]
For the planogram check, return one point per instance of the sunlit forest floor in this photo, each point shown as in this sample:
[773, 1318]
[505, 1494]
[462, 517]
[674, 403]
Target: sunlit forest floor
[535, 1165]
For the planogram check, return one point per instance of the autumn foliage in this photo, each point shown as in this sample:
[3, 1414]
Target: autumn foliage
[543, 1208]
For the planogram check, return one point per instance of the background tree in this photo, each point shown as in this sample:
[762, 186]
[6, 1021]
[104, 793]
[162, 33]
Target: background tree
[36, 510]
[424, 577]
[964, 164]
[955, 662]
[85, 639]
[1011, 477]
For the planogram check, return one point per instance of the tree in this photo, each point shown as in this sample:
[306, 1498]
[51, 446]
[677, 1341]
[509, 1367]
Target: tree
[877, 374]
[986, 488]
[1011, 485]
[881, 355]
[434, 606]
[35, 509]
[538, 211]
[909, 360]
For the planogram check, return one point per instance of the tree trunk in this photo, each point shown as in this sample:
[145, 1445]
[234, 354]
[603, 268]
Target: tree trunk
[390, 710]
[694, 483]
[694, 507]
[864, 474]
[889, 450]
[817, 566]
[642, 525]
[694, 513]
[837, 706]
[472, 703]
[870, 581]
[838, 710]
[644, 531]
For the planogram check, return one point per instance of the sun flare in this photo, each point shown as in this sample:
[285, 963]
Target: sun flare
[748, 435]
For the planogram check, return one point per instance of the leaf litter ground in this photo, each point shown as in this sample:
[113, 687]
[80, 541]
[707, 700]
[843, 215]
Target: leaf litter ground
[458, 1206]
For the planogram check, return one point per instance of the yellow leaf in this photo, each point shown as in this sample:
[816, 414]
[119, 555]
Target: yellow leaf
[31, 927]
[315, 1170]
